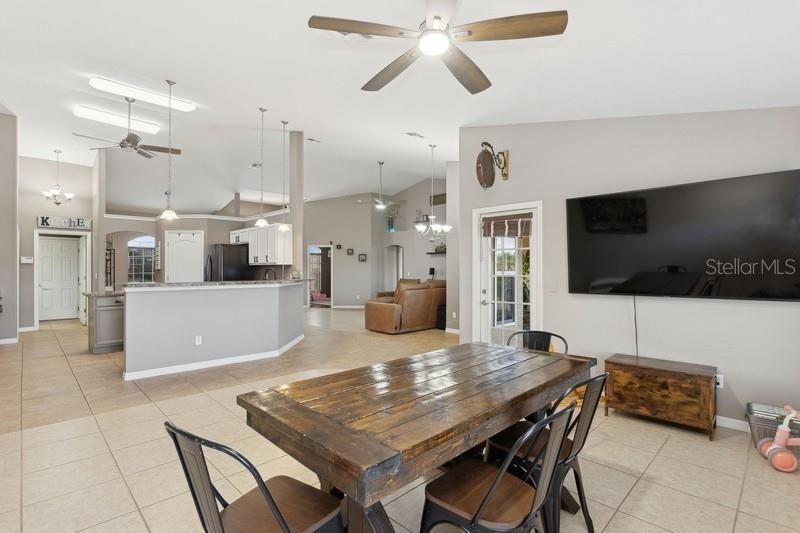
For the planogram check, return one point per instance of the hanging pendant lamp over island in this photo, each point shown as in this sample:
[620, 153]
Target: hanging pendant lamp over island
[262, 222]
[169, 213]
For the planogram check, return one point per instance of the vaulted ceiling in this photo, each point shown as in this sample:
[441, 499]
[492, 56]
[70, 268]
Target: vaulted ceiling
[616, 58]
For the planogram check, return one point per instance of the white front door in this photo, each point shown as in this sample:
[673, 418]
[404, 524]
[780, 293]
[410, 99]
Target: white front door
[58, 278]
[509, 297]
[185, 256]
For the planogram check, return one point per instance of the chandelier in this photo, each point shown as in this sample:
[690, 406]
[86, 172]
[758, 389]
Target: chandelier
[57, 194]
[427, 226]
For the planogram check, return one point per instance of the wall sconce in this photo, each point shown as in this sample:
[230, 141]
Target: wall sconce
[487, 160]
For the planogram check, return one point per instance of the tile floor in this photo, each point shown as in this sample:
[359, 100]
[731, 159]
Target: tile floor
[81, 450]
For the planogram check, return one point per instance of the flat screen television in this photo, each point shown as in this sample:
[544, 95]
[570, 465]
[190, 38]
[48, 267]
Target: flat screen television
[736, 238]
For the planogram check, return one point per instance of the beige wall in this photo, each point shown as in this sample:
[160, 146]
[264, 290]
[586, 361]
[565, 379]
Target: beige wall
[754, 344]
[413, 202]
[9, 257]
[344, 222]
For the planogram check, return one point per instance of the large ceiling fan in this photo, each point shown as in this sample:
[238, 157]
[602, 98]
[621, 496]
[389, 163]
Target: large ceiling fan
[436, 37]
[131, 142]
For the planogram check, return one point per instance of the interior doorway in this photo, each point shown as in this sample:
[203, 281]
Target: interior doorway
[507, 271]
[320, 272]
[62, 272]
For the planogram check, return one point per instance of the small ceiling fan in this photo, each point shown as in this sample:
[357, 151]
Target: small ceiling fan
[436, 37]
[131, 142]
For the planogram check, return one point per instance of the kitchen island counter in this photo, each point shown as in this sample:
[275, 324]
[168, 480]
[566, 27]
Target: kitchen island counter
[177, 327]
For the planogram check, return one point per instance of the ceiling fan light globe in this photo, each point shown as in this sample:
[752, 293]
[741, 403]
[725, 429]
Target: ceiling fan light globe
[434, 42]
[69, 195]
[169, 214]
[261, 222]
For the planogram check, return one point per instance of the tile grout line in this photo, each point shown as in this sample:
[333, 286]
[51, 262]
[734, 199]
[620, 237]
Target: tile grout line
[638, 479]
[113, 458]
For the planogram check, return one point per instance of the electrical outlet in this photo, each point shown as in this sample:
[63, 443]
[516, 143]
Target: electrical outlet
[454, 314]
[198, 340]
[720, 381]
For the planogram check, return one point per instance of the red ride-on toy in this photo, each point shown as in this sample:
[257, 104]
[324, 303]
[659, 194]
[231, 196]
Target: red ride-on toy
[776, 450]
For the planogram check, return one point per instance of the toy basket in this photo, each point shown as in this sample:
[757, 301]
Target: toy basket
[764, 421]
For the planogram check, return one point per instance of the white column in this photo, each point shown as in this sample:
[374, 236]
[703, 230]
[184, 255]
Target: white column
[296, 179]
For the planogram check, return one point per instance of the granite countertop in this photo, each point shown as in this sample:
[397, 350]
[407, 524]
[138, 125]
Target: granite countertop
[201, 284]
[115, 292]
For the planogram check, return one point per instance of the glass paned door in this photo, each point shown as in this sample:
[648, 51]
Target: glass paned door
[506, 295]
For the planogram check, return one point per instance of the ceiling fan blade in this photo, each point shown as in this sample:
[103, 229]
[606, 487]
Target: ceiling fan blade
[145, 153]
[94, 138]
[362, 28]
[465, 70]
[392, 70]
[104, 148]
[514, 27]
[444, 9]
[162, 149]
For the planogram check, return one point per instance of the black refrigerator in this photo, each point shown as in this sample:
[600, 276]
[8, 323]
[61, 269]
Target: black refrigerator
[229, 262]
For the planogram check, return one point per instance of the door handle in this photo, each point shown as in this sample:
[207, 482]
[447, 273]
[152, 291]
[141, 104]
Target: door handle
[484, 302]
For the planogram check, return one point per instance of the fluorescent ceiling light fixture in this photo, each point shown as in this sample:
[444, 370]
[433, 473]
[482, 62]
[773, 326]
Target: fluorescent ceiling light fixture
[142, 95]
[115, 119]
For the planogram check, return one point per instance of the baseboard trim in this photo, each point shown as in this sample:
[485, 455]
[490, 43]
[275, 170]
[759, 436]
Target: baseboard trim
[176, 369]
[733, 423]
[347, 307]
[454, 331]
[27, 329]
[10, 340]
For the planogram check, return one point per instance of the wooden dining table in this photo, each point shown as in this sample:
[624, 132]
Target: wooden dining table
[369, 431]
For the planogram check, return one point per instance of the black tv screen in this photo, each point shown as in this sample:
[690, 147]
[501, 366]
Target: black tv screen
[735, 238]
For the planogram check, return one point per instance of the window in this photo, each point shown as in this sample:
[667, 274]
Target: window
[141, 256]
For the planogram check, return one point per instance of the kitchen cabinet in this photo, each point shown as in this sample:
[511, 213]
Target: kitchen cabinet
[239, 236]
[280, 246]
[265, 246]
[257, 245]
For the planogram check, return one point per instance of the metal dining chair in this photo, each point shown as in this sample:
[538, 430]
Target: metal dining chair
[538, 340]
[568, 458]
[280, 504]
[482, 498]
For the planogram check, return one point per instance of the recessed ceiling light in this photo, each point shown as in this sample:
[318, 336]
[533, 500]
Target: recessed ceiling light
[123, 89]
[413, 134]
[115, 119]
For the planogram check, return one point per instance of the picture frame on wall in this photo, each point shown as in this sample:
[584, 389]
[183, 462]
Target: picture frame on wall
[362, 258]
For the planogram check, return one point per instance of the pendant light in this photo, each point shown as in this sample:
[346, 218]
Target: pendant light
[380, 205]
[57, 194]
[283, 226]
[262, 222]
[169, 213]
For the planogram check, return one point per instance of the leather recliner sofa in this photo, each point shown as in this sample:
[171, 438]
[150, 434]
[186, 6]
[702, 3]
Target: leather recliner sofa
[413, 308]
